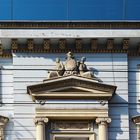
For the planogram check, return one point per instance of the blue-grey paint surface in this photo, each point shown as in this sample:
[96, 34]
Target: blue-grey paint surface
[67, 10]
[5, 10]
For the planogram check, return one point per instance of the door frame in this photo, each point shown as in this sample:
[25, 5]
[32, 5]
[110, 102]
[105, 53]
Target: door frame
[89, 136]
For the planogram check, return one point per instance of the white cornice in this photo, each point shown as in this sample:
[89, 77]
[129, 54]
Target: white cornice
[69, 33]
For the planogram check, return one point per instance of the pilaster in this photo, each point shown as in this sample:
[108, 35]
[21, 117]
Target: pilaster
[3, 122]
[40, 127]
[103, 127]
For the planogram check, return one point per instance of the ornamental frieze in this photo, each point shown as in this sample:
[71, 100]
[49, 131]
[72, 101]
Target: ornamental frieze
[64, 125]
[63, 46]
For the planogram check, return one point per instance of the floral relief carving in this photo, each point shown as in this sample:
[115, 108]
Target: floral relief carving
[70, 125]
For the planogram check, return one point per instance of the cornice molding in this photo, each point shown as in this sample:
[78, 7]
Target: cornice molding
[69, 25]
[71, 87]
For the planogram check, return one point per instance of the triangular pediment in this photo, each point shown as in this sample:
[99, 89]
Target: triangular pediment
[74, 89]
[71, 87]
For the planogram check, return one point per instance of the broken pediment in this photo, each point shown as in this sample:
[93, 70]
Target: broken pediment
[71, 87]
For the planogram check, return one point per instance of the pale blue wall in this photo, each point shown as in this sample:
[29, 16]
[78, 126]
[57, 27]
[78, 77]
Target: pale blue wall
[29, 69]
[7, 95]
[134, 93]
[24, 114]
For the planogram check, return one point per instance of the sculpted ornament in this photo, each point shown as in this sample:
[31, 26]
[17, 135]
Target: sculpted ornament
[41, 120]
[3, 122]
[71, 67]
[70, 125]
[103, 120]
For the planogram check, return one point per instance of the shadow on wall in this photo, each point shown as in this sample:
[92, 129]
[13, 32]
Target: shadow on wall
[24, 131]
[118, 112]
[134, 91]
[96, 73]
[1, 86]
[122, 111]
[10, 128]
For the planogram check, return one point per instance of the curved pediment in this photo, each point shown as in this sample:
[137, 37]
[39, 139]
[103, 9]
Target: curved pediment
[71, 87]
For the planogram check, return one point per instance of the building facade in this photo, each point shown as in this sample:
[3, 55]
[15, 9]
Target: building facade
[49, 91]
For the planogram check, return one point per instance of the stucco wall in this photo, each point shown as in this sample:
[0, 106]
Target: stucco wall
[6, 95]
[31, 69]
[134, 90]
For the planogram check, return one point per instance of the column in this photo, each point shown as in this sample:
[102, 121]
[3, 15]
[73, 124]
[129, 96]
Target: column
[3, 122]
[1, 132]
[138, 131]
[103, 128]
[136, 121]
[40, 127]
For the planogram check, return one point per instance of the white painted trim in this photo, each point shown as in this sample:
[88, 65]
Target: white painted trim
[68, 33]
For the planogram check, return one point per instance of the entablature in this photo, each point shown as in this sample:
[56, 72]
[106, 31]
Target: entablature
[71, 114]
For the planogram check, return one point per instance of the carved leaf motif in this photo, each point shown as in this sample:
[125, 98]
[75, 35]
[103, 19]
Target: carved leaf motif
[70, 126]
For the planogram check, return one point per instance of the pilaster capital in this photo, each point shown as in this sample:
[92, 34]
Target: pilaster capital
[136, 120]
[3, 121]
[103, 120]
[41, 120]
